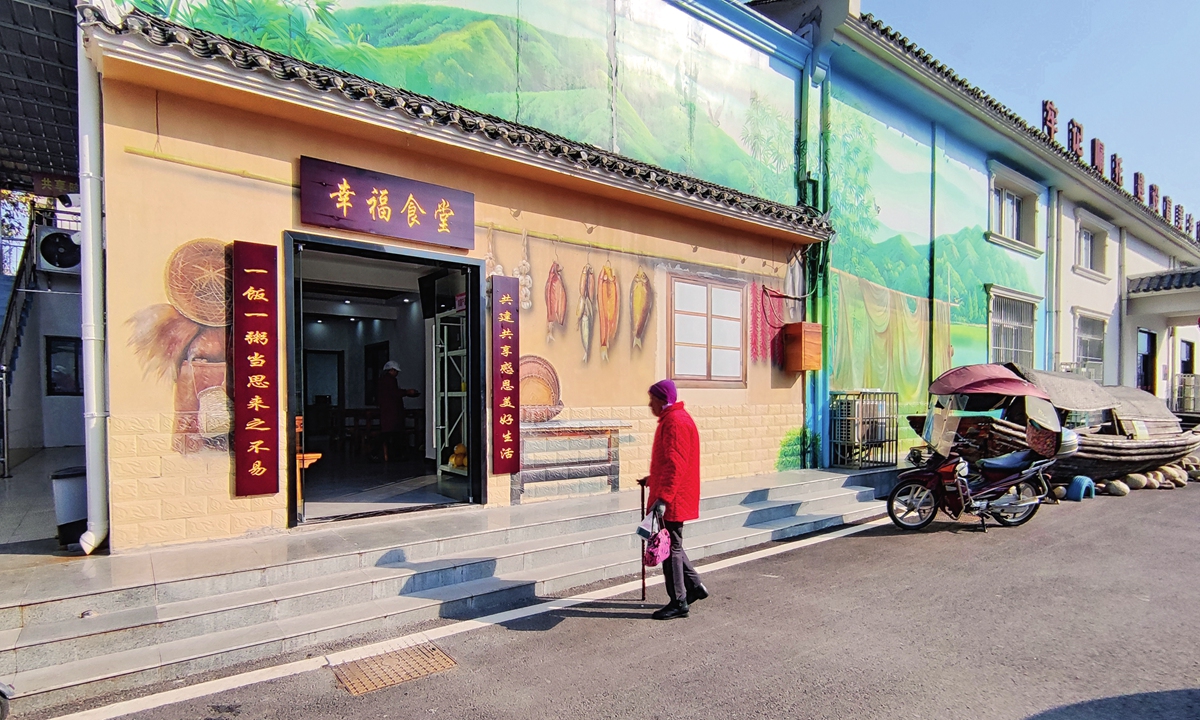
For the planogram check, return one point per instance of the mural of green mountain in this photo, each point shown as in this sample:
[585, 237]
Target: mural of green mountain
[508, 67]
[965, 261]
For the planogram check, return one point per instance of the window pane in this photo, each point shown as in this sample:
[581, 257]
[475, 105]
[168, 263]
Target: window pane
[997, 211]
[691, 329]
[1012, 216]
[726, 302]
[691, 361]
[726, 333]
[62, 367]
[727, 364]
[691, 297]
[1085, 248]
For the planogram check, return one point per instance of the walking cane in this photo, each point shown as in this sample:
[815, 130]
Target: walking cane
[643, 546]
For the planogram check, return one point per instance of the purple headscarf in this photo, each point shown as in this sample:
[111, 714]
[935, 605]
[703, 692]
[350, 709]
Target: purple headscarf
[665, 390]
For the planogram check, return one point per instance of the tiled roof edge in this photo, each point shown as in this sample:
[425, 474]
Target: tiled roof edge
[567, 153]
[1177, 279]
[872, 25]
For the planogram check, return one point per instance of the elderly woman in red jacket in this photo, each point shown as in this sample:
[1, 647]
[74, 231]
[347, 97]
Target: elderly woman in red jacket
[674, 484]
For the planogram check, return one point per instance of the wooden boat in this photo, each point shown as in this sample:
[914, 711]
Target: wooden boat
[1126, 431]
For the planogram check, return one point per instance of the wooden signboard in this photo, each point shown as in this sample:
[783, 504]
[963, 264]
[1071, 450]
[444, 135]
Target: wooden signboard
[506, 386]
[256, 417]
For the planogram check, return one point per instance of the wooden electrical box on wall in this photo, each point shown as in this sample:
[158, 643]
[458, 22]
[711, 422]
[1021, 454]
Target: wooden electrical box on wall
[801, 347]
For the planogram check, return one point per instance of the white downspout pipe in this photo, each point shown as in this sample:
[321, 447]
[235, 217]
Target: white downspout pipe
[95, 380]
[1053, 263]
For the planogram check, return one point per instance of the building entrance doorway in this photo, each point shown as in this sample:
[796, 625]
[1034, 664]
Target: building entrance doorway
[1147, 361]
[385, 366]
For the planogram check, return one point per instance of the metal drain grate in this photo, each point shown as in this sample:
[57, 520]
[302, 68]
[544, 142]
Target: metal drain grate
[380, 671]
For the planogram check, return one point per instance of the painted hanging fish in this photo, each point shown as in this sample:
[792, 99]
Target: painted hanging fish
[556, 301]
[609, 305]
[523, 272]
[641, 305]
[587, 309]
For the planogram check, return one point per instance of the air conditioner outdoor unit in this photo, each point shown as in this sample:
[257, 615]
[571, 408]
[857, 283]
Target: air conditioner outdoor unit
[57, 250]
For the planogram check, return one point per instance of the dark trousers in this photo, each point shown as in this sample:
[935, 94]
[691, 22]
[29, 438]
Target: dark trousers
[678, 572]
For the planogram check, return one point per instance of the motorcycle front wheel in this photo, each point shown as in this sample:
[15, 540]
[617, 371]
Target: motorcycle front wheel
[1022, 492]
[911, 505]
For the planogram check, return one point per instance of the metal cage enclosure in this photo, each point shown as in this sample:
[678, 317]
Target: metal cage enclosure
[863, 428]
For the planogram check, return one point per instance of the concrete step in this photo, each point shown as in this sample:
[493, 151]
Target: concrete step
[371, 551]
[54, 685]
[602, 555]
[48, 644]
[559, 578]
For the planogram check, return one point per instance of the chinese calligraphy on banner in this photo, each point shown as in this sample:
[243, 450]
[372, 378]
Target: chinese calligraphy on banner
[55, 185]
[350, 198]
[506, 387]
[256, 437]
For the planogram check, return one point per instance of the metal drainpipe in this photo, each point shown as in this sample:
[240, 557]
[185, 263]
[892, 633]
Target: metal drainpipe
[1056, 288]
[95, 381]
[1122, 307]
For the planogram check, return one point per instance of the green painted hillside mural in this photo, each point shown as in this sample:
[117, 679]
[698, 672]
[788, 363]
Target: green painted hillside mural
[880, 193]
[639, 77]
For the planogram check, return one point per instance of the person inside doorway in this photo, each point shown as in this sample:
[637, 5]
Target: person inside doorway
[390, 397]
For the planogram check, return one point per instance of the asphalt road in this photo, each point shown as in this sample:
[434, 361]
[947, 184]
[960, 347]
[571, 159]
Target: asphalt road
[1088, 611]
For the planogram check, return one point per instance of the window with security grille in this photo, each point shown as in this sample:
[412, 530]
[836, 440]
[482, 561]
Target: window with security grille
[1089, 347]
[1011, 330]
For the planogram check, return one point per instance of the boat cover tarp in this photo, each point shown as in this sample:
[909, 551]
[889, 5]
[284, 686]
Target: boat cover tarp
[1069, 391]
[1140, 405]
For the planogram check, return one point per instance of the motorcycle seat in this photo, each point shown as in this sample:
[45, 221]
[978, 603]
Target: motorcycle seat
[1012, 462]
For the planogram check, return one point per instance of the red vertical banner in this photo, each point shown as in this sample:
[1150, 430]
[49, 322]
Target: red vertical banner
[506, 387]
[256, 416]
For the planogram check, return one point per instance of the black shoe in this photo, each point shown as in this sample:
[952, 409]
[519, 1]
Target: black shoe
[699, 592]
[671, 610]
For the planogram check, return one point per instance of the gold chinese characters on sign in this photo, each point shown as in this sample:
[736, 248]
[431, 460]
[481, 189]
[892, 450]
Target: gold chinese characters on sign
[256, 437]
[506, 395]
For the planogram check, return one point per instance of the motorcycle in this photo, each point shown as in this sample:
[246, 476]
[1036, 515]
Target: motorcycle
[1009, 489]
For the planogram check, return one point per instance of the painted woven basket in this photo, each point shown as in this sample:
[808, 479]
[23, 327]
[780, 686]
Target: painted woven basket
[540, 398]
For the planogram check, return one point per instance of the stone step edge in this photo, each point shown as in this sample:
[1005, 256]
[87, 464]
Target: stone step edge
[701, 544]
[254, 596]
[415, 602]
[368, 550]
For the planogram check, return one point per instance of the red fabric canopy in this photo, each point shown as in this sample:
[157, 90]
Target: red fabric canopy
[980, 379]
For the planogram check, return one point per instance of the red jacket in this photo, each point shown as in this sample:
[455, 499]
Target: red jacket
[675, 465]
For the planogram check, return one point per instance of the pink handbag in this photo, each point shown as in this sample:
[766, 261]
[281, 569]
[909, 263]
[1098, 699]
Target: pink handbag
[657, 549]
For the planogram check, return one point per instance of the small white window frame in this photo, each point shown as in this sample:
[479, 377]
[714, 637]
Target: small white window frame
[1101, 231]
[1031, 194]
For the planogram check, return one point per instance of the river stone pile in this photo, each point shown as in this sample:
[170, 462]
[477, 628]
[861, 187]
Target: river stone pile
[1167, 477]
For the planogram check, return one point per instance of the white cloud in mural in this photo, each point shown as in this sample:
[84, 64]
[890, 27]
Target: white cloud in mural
[902, 168]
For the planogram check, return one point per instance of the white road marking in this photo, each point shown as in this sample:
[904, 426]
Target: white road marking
[212, 687]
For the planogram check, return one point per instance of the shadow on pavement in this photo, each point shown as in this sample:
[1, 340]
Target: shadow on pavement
[609, 610]
[1167, 705]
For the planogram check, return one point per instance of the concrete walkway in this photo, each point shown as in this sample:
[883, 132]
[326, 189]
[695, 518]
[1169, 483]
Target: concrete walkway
[27, 502]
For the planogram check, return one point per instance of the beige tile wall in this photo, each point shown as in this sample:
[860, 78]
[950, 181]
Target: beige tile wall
[159, 496]
[735, 440]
